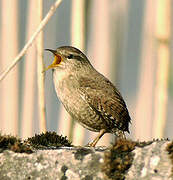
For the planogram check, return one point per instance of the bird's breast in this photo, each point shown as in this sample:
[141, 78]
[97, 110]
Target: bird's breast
[65, 85]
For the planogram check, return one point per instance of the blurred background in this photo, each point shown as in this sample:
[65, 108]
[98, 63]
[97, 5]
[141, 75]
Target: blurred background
[129, 41]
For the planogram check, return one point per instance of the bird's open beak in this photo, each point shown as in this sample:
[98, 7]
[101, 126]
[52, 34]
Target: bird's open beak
[57, 59]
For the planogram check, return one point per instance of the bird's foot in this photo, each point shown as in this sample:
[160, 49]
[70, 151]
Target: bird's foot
[91, 144]
[98, 137]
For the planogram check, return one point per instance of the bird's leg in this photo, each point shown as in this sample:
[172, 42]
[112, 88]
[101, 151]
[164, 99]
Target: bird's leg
[94, 142]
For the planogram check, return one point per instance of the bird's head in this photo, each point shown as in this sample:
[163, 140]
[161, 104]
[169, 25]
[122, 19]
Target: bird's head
[67, 57]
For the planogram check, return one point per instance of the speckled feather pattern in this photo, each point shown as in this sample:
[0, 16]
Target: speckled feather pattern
[88, 96]
[106, 100]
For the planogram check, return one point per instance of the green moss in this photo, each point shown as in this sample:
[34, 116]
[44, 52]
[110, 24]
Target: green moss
[48, 140]
[14, 144]
[143, 143]
[146, 143]
[169, 148]
[118, 159]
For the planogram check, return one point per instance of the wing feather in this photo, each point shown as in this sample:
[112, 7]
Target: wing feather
[104, 98]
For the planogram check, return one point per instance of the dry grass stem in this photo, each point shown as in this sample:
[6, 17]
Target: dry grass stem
[40, 75]
[163, 58]
[29, 43]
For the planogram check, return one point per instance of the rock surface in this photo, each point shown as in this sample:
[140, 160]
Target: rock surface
[64, 163]
[149, 162]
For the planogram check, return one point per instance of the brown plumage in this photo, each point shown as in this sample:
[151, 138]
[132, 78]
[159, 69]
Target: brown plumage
[88, 96]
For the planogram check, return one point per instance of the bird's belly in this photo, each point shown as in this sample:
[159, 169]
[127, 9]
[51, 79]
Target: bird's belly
[79, 109]
[84, 114]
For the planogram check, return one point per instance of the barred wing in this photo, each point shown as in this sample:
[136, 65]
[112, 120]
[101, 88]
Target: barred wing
[103, 97]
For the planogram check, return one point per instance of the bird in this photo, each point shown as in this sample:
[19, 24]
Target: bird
[87, 95]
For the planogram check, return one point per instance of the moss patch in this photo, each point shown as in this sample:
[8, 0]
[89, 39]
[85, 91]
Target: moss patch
[169, 148]
[48, 140]
[118, 159]
[14, 144]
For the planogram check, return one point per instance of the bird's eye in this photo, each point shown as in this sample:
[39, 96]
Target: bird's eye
[70, 56]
